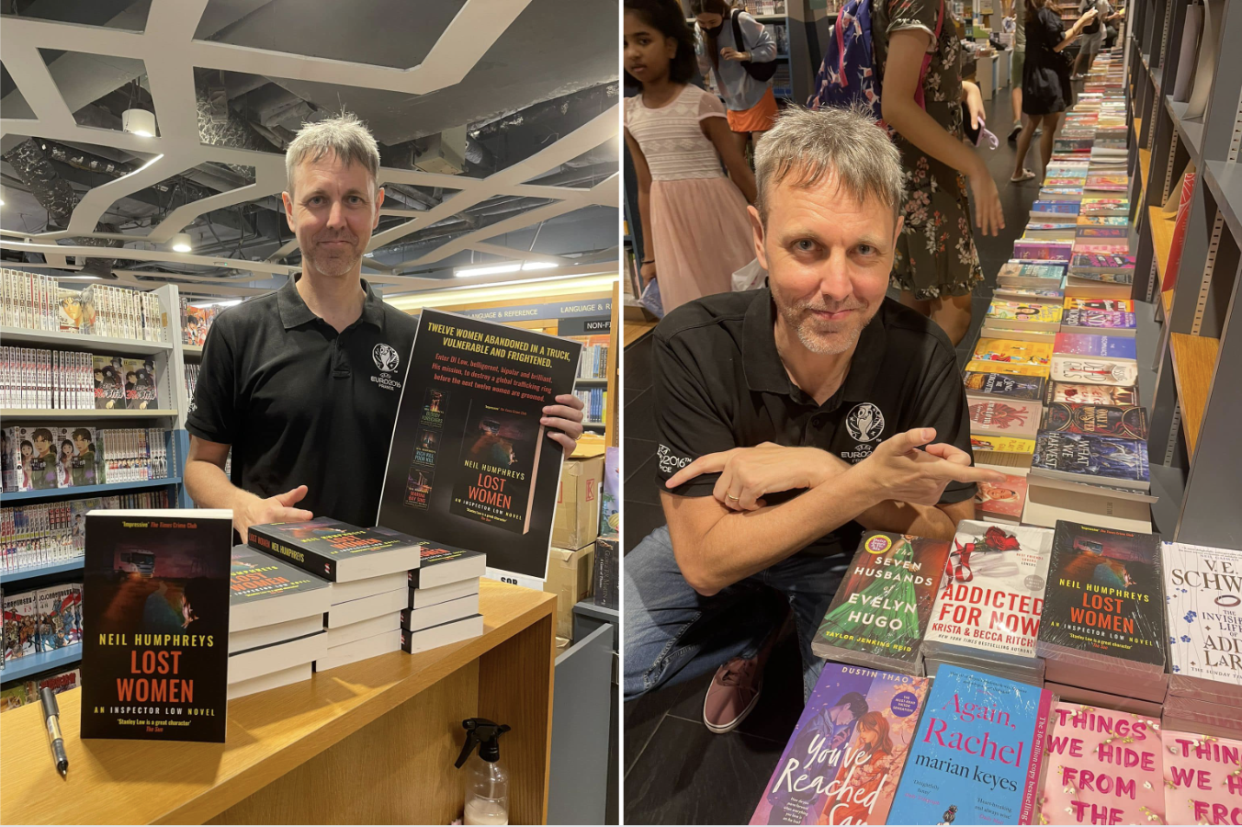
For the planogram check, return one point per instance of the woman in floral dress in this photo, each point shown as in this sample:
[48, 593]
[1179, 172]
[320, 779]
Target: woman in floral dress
[936, 266]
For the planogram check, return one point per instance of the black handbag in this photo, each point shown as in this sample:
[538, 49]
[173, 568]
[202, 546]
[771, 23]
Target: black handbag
[758, 71]
[1094, 26]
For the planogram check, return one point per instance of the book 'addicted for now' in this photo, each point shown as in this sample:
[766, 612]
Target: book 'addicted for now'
[156, 615]
[470, 462]
[1102, 767]
[976, 756]
[842, 764]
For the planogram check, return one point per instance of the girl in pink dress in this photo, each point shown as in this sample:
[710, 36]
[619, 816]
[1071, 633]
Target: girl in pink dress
[695, 229]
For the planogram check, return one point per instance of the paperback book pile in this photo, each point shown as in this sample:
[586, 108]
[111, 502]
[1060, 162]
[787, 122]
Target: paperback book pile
[42, 620]
[986, 615]
[36, 302]
[1202, 778]
[443, 599]
[1204, 614]
[1103, 626]
[977, 753]
[366, 571]
[276, 627]
[847, 752]
[881, 610]
[195, 322]
[36, 457]
[46, 379]
[1102, 767]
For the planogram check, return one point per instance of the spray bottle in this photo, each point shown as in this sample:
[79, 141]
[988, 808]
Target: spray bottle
[487, 788]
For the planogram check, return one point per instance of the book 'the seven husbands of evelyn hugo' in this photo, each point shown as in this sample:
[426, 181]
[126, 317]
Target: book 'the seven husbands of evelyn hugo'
[470, 464]
[976, 755]
[155, 652]
[843, 761]
[1102, 767]
[879, 613]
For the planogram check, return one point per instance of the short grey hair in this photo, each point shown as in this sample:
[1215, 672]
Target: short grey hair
[343, 136]
[807, 147]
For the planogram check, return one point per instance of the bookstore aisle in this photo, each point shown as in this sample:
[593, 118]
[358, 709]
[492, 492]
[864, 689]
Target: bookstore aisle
[1074, 657]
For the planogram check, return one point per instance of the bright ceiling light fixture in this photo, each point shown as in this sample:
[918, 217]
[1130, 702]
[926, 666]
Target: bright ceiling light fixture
[140, 122]
[540, 265]
[182, 243]
[490, 270]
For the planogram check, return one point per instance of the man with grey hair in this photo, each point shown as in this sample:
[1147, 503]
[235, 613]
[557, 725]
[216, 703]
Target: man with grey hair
[302, 384]
[792, 418]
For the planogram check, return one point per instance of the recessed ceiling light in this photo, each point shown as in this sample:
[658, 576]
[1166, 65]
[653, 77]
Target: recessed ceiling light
[182, 243]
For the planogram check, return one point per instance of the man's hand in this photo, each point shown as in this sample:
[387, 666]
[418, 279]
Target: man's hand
[747, 474]
[898, 470]
[565, 418]
[278, 509]
[729, 53]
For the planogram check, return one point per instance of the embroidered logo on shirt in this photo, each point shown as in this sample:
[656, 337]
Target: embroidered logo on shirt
[865, 423]
[386, 357]
[669, 462]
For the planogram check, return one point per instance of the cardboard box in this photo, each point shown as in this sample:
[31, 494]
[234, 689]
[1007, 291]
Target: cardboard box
[569, 578]
[576, 524]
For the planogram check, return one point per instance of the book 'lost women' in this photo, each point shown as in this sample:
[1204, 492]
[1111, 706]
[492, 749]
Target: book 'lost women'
[842, 764]
[156, 617]
[470, 462]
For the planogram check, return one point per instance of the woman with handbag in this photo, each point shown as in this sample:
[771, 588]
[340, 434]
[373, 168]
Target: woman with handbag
[741, 70]
[1046, 89]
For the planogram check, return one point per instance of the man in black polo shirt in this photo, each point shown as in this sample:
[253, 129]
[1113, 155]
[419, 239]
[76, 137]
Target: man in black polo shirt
[791, 418]
[303, 383]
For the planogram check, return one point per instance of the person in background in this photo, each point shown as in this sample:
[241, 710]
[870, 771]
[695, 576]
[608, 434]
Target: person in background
[694, 223]
[1046, 88]
[1017, 10]
[750, 103]
[937, 265]
[1093, 35]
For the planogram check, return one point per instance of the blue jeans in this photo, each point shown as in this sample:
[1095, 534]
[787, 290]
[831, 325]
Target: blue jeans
[673, 633]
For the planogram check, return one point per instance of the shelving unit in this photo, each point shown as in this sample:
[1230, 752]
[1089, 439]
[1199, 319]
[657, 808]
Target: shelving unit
[1198, 338]
[173, 406]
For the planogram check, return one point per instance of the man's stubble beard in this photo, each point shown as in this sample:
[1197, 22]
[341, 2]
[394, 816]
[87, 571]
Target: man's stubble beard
[803, 324]
[335, 266]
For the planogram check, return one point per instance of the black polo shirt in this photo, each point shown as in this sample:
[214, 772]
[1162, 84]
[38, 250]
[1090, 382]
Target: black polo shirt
[302, 404]
[720, 384]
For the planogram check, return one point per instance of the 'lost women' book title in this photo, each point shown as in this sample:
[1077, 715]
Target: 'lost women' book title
[470, 462]
[156, 606]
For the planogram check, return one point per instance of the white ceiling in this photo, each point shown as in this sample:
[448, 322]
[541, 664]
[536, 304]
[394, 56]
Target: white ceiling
[170, 52]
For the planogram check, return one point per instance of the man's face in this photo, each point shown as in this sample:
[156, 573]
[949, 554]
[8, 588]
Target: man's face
[41, 445]
[333, 209]
[828, 259]
[82, 444]
[840, 714]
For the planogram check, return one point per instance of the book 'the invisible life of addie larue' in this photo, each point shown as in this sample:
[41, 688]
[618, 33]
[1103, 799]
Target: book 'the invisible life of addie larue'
[1203, 588]
[977, 753]
[471, 463]
[156, 619]
[844, 759]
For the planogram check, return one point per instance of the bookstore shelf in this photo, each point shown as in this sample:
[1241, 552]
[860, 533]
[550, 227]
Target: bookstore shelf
[1225, 182]
[28, 665]
[8, 578]
[192, 350]
[61, 415]
[590, 381]
[1144, 156]
[1194, 360]
[13, 335]
[1162, 239]
[1190, 130]
[87, 490]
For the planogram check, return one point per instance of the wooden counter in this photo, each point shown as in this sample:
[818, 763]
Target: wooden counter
[373, 742]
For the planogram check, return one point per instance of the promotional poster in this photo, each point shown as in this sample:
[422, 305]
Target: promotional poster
[470, 463]
[156, 604]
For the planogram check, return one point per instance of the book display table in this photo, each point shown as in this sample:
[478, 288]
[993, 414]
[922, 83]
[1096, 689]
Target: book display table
[373, 742]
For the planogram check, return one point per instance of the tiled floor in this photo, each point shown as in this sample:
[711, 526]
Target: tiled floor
[676, 770]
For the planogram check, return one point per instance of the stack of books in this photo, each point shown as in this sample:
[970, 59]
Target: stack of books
[275, 622]
[443, 598]
[1204, 619]
[366, 569]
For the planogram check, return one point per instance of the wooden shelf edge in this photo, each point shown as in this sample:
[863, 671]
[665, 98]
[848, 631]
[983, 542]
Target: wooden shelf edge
[1194, 362]
[1161, 237]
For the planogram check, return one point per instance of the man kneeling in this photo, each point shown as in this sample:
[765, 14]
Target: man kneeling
[792, 418]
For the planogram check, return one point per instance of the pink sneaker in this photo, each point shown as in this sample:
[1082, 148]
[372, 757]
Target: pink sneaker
[733, 693]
